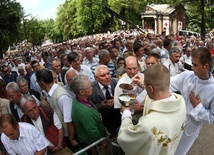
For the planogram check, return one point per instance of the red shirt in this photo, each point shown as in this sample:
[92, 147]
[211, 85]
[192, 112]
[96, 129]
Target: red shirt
[212, 51]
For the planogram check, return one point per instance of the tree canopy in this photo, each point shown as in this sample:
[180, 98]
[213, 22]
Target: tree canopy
[10, 22]
[83, 17]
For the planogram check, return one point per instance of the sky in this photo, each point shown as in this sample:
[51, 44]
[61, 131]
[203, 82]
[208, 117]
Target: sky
[42, 9]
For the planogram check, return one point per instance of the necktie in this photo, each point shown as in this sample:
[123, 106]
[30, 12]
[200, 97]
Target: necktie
[59, 80]
[108, 95]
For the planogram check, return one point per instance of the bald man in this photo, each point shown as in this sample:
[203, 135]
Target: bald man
[68, 79]
[131, 67]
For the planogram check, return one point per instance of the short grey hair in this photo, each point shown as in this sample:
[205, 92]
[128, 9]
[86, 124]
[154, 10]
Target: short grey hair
[87, 49]
[154, 50]
[78, 83]
[174, 50]
[70, 70]
[23, 99]
[21, 80]
[96, 71]
[103, 53]
[13, 86]
[20, 67]
[128, 41]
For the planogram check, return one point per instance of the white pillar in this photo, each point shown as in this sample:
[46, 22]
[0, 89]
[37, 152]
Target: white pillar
[142, 22]
[156, 25]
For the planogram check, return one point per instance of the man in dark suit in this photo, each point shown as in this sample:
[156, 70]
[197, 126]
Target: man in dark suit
[9, 76]
[57, 67]
[29, 71]
[102, 97]
[23, 86]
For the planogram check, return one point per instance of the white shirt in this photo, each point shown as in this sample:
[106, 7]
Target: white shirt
[142, 64]
[64, 103]
[172, 67]
[29, 142]
[86, 62]
[38, 125]
[164, 54]
[33, 84]
[85, 70]
[104, 90]
[187, 59]
[186, 83]
[15, 68]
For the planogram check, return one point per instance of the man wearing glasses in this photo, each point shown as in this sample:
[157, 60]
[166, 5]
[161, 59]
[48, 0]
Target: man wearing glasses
[9, 76]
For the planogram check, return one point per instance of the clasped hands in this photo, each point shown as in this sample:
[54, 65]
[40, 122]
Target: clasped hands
[107, 103]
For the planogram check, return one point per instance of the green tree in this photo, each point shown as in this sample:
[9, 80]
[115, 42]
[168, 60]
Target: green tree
[51, 30]
[62, 20]
[35, 31]
[90, 15]
[10, 18]
[81, 17]
[130, 9]
[200, 15]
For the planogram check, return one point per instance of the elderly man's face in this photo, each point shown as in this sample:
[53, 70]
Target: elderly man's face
[10, 131]
[69, 77]
[13, 96]
[129, 45]
[21, 72]
[106, 59]
[132, 67]
[56, 66]
[31, 109]
[28, 69]
[189, 51]
[150, 61]
[89, 54]
[104, 76]
[24, 87]
[175, 57]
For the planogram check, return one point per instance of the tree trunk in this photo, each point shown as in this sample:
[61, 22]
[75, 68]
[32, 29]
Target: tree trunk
[203, 31]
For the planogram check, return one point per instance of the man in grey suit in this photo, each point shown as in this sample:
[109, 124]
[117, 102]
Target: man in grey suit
[102, 97]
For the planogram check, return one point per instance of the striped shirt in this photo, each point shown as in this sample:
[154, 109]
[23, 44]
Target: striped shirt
[29, 142]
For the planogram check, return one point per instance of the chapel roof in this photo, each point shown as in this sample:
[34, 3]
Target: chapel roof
[159, 8]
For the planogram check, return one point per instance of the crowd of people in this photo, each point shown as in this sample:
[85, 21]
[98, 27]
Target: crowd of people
[66, 96]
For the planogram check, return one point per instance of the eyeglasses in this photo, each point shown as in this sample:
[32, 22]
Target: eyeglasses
[106, 46]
